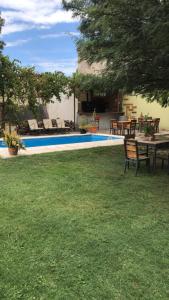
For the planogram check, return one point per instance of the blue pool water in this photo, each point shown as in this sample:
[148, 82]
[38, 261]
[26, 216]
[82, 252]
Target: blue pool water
[62, 140]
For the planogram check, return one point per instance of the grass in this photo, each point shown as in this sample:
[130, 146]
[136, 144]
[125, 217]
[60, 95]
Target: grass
[74, 227]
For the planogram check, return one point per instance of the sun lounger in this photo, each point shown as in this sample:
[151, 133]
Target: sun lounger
[48, 124]
[61, 124]
[33, 126]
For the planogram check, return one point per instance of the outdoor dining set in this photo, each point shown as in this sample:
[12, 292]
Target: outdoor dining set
[123, 127]
[139, 150]
[149, 147]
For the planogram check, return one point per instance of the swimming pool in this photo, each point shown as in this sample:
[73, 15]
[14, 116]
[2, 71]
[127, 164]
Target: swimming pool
[63, 140]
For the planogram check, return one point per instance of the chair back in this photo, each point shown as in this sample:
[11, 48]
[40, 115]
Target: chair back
[33, 124]
[157, 121]
[133, 125]
[114, 124]
[127, 125]
[131, 149]
[130, 136]
[47, 123]
[156, 124]
[60, 123]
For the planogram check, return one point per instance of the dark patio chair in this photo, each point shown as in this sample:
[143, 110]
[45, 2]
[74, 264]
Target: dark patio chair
[134, 156]
[140, 124]
[156, 124]
[163, 155]
[130, 127]
[115, 128]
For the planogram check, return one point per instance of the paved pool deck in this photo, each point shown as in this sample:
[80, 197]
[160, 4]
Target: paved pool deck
[66, 147]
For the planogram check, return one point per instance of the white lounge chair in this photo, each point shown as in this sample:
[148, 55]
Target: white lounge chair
[61, 124]
[33, 126]
[48, 124]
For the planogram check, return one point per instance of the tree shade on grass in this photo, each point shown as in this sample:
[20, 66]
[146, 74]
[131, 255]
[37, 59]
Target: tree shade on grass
[74, 227]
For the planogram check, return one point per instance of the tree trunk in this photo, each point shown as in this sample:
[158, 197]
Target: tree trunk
[74, 109]
[3, 113]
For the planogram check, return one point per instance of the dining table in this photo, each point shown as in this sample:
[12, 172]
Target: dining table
[122, 124]
[155, 146]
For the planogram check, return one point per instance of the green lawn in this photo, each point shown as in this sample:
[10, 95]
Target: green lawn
[72, 226]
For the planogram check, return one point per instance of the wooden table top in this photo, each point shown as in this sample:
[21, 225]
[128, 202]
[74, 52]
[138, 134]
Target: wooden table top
[156, 142]
[125, 121]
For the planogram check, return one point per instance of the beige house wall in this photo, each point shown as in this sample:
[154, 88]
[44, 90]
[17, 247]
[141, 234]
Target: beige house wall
[136, 105]
[63, 109]
[95, 68]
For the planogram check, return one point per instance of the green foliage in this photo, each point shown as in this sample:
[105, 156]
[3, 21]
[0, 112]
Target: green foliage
[17, 87]
[149, 130]
[22, 86]
[12, 140]
[88, 82]
[132, 36]
[52, 84]
[1, 24]
[83, 123]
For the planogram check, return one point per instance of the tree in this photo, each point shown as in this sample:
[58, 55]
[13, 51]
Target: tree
[1, 42]
[133, 37]
[52, 85]
[88, 82]
[16, 88]
[22, 86]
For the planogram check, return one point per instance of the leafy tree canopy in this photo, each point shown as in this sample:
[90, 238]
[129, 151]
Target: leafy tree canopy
[81, 82]
[22, 86]
[133, 37]
[1, 24]
[52, 84]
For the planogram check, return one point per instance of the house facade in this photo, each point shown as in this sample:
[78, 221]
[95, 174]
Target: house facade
[113, 106]
[106, 105]
[136, 106]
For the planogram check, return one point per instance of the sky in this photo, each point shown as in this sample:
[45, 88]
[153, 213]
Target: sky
[40, 33]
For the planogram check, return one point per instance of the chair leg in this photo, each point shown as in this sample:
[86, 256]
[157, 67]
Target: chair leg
[162, 163]
[148, 164]
[125, 167]
[137, 167]
[168, 165]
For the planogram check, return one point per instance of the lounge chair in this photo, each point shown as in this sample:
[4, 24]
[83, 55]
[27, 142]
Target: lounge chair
[61, 124]
[48, 124]
[33, 126]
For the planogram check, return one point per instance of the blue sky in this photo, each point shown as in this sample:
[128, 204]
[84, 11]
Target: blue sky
[40, 33]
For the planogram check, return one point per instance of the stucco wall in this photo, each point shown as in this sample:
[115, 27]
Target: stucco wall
[95, 68]
[63, 109]
[135, 105]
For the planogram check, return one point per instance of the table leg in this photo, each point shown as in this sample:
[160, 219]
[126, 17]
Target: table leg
[123, 129]
[154, 158]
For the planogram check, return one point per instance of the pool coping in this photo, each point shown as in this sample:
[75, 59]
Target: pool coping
[65, 147]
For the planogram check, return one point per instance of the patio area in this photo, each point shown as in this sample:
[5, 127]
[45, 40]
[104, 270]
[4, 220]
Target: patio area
[74, 227]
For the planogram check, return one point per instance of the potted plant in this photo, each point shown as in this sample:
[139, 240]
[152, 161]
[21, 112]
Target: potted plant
[92, 128]
[13, 141]
[149, 132]
[83, 127]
